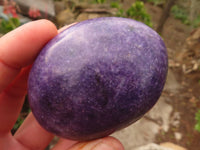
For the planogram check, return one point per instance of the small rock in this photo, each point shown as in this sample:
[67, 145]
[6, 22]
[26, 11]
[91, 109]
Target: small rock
[173, 64]
[59, 6]
[178, 136]
[193, 100]
[172, 146]
[160, 113]
[140, 133]
[191, 67]
[152, 146]
[65, 17]
[93, 15]
[82, 17]
[175, 119]
[171, 85]
[195, 66]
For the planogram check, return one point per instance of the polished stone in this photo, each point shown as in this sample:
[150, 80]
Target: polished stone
[97, 77]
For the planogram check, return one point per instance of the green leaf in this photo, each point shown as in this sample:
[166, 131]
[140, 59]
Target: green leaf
[9, 25]
[196, 22]
[18, 123]
[180, 14]
[197, 118]
[115, 5]
[138, 12]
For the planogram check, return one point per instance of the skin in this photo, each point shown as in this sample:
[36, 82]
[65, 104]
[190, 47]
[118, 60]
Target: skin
[17, 52]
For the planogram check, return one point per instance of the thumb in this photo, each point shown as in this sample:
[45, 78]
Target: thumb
[107, 143]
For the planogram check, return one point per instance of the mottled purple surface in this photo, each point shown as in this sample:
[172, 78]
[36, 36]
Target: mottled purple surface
[96, 77]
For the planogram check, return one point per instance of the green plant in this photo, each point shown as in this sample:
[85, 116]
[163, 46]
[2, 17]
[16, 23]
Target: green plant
[180, 14]
[115, 5]
[197, 118]
[157, 2]
[120, 10]
[8, 25]
[196, 22]
[99, 1]
[138, 12]
[18, 123]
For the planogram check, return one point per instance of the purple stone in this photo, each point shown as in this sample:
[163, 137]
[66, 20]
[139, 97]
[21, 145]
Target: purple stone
[96, 77]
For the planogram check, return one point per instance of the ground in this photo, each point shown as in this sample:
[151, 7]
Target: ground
[187, 100]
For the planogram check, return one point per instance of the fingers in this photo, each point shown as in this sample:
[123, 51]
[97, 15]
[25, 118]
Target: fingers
[7, 142]
[32, 135]
[7, 74]
[11, 101]
[107, 143]
[20, 47]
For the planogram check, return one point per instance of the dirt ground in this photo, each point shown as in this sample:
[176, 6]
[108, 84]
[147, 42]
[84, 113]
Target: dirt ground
[188, 101]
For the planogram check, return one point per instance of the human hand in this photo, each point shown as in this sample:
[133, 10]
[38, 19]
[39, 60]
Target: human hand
[18, 51]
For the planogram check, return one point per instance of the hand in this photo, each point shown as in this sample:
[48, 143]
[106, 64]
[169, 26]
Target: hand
[18, 50]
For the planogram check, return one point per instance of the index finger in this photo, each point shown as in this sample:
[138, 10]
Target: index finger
[20, 47]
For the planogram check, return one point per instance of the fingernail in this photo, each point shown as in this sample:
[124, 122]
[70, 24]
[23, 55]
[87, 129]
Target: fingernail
[102, 146]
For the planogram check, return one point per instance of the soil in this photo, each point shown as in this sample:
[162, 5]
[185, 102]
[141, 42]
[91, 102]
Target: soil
[187, 102]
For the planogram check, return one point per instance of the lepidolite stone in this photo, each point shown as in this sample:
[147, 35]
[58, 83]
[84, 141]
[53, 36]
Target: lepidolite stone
[96, 77]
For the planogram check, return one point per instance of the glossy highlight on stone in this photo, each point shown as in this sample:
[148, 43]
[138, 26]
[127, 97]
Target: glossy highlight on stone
[96, 77]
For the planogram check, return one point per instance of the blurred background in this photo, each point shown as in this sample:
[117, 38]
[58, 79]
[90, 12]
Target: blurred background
[174, 122]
